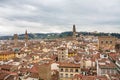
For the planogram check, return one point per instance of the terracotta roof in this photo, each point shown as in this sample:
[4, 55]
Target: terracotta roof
[101, 78]
[11, 76]
[88, 78]
[105, 63]
[114, 77]
[85, 69]
[77, 58]
[6, 52]
[82, 77]
[34, 69]
[5, 66]
[72, 65]
[95, 56]
[78, 76]
[34, 75]
[61, 48]
[3, 75]
[23, 70]
[113, 55]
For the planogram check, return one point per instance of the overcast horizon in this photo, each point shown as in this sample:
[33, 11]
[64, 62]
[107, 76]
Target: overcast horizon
[50, 16]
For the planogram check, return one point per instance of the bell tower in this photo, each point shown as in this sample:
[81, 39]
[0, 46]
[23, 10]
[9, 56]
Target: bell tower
[26, 38]
[74, 31]
[15, 39]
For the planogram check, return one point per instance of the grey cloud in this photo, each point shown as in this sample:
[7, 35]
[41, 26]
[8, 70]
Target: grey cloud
[61, 14]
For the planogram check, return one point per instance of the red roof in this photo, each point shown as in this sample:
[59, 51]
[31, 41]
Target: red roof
[34, 69]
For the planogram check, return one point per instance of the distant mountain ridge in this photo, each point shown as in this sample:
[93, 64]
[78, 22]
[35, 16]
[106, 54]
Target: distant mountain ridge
[57, 35]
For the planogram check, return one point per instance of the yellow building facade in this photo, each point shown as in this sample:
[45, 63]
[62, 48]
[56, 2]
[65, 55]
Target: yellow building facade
[6, 55]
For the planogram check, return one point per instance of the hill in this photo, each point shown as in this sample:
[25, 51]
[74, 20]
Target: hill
[57, 35]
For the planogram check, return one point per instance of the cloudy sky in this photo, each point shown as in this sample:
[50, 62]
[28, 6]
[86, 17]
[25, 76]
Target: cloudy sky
[46, 16]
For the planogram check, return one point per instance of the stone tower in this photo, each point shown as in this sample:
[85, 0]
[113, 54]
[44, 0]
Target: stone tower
[106, 42]
[62, 54]
[74, 31]
[15, 39]
[26, 36]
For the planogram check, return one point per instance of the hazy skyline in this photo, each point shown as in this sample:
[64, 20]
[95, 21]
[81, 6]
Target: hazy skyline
[45, 16]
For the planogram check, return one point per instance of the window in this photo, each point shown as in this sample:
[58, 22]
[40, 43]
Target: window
[66, 70]
[114, 71]
[66, 75]
[61, 75]
[102, 71]
[110, 42]
[108, 71]
[106, 42]
[71, 70]
[61, 70]
[71, 75]
[76, 70]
